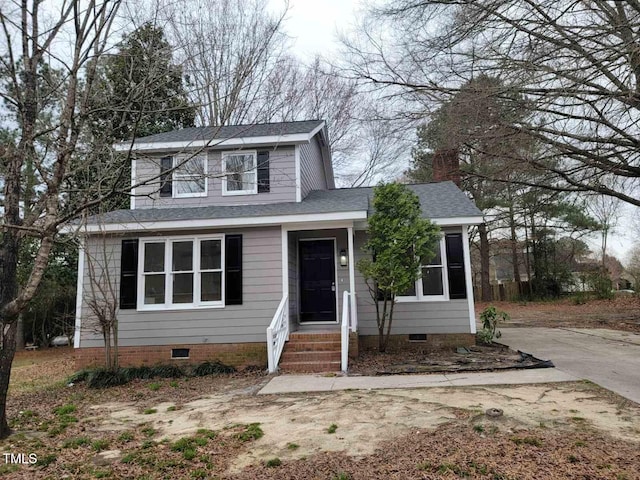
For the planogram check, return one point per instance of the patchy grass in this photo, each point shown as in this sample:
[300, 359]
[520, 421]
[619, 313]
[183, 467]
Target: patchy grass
[332, 428]
[250, 432]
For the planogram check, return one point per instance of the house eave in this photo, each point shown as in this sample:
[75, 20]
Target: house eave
[271, 220]
[238, 142]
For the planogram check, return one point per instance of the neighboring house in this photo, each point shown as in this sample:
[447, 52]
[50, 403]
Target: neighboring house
[249, 234]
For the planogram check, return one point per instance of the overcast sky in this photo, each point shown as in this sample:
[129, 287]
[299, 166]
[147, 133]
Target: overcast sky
[313, 27]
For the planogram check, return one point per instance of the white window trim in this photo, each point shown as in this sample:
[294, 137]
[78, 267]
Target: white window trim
[254, 190]
[168, 279]
[177, 160]
[420, 296]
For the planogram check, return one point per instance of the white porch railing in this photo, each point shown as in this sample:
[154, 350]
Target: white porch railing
[347, 325]
[277, 334]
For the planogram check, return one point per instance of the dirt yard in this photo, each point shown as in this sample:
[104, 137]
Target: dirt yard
[622, 313]
[216, 427]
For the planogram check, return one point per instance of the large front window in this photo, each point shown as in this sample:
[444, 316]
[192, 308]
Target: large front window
[181, 272]
[240, 173]
[433, 282]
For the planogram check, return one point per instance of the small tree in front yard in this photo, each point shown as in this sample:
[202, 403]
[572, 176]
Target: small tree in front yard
[399, 241]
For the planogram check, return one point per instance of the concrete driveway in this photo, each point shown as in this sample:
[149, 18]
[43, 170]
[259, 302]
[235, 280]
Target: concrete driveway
[607, 357]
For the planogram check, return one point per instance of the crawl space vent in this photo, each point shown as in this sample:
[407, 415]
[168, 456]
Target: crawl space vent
[179, 353]
[417, 337]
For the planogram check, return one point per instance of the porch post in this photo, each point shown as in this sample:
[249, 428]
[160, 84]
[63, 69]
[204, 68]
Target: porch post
[467, 277]
[352, 279]
[285, 268]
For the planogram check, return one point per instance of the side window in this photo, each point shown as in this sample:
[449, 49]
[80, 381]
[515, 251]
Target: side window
[183, 176]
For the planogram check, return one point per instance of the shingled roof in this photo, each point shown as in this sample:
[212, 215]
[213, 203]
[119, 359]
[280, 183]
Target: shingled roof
[438, 200]
[233, 131]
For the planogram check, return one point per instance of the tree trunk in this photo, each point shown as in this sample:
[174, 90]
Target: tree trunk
[514, 249]
[484, 263]
[6, 359]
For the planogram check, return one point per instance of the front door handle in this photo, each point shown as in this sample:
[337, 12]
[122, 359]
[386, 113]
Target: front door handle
[333, 286]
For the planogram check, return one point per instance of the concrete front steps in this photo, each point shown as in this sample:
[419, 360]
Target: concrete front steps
[311, 352]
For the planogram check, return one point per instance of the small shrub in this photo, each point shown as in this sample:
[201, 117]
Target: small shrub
[150, 411]
[149, 431]
[189, 454]
[212, 368]
[580, 298]
[168, 371]
[332, 428]
[102, 378]
[154, 387]
[601, 285]
[172, 408]
[491, 317]
[173, 384]
[274, 462]
[293, 446]
[251, 432]
[80, 376]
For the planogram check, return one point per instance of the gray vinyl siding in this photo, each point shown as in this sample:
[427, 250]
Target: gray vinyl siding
[312, 173]
[281, 177]
[261, 286]
[409, 317]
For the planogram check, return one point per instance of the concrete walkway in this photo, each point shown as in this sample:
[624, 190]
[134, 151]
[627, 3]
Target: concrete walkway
[320, 383]
[609, 358]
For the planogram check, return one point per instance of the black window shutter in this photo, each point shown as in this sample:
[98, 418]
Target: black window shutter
[263, 172]
[233, 270]
[166, 164]
[128, 274]
[455, 266]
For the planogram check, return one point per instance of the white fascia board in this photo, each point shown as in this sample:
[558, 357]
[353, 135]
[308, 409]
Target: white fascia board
[225, 222]
[214, 143]
[454, 221]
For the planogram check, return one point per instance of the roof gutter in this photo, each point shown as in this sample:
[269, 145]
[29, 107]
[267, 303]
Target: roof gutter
[266, 220]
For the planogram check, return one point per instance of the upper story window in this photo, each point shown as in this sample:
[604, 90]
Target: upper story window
[240, 173]
[188, 179]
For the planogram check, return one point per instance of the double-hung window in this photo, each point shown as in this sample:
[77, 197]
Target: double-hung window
[240, 173]
[190, 176]
[433, 284]
[181, 272]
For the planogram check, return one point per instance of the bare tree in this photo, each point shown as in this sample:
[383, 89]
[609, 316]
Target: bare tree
[34, 42]
[575, 62]
[102, 299]
[606, 210]
[633, 266]
[229, 50]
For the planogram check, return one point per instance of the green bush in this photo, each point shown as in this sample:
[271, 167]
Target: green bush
[601, 285]
[212, 368]
[102, 378]
[491, 317]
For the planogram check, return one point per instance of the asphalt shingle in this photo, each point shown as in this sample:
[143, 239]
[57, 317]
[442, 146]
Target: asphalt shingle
[438, 200]
[232, 131]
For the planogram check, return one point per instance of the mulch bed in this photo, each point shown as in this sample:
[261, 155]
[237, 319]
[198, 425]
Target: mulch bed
[418, 360]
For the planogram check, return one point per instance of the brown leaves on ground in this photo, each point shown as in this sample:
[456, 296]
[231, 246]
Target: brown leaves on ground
[461, 451]
[621, 313]
[416, 359]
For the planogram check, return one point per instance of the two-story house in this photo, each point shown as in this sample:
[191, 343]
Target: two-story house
[237, 245]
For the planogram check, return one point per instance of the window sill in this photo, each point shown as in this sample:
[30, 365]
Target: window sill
[176, 308]
[429, 299]
[189, 195]
[238, 192]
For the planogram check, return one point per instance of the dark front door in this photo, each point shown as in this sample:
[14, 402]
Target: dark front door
[317, 281]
